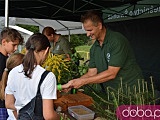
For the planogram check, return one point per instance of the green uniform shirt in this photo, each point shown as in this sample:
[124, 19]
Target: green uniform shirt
[62, 46]
[117, 52]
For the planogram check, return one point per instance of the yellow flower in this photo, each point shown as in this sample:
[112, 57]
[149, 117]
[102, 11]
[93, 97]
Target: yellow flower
[59, 66]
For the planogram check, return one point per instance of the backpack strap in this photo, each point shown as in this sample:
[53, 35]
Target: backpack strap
[30, 110]
[41, 80]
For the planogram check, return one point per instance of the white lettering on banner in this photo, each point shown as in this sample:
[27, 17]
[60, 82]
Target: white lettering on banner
[136, 12]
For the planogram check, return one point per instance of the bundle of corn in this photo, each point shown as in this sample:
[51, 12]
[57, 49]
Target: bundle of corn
[143, 94]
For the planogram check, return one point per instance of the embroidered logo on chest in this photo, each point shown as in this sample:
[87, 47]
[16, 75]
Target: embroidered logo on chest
[108, 56]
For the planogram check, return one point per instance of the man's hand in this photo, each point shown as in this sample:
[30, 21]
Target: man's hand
[76, 83]
[67, 87]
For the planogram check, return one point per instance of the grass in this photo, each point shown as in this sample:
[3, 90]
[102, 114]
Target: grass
[84, 52]
[83, 48]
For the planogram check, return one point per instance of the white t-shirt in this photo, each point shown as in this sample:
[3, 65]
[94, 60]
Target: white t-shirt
[10, 115]
[24, 88]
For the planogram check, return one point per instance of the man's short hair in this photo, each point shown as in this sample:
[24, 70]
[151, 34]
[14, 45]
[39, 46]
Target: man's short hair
[94, 16]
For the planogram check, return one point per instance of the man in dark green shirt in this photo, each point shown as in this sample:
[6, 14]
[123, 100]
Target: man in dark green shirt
[115, 51]
[111, 57]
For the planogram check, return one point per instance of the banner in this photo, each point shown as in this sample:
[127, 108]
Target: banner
[141, 9]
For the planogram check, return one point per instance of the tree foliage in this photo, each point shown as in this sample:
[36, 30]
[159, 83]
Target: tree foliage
[32, 28]
[78, 40]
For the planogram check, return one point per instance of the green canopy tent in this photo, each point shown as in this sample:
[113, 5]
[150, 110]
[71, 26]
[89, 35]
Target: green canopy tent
[68, 10]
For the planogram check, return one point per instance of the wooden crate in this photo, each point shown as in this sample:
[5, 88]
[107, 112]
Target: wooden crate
[67, 100]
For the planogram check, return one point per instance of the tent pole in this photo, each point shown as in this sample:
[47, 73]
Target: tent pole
[6, 13]
[67, 29]
[69, 35]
